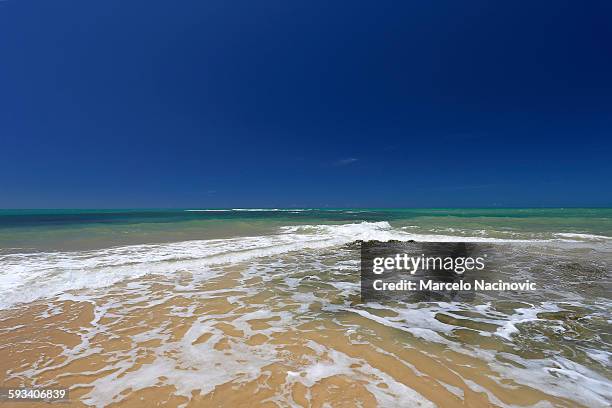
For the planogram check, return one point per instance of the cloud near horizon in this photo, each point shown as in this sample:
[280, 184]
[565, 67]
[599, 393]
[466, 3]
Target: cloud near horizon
[345, 162]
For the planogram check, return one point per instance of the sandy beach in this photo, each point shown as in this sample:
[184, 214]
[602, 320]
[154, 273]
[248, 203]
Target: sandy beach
[277, 320]
[164, 348]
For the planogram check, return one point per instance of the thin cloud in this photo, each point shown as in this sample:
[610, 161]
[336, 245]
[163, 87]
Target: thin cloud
[345, 162]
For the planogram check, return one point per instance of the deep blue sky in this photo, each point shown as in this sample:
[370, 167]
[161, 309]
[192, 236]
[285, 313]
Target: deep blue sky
[120, 103]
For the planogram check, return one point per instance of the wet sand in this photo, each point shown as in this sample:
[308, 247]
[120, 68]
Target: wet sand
[240, 339]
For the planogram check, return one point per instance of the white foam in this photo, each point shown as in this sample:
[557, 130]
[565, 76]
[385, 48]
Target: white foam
[558, 376]
[25, 277]
[273, 209]
[414, 317]
[208, 210]
[522, 316]
[587, 237]
[190, 367]
[337, 363]
[600, 356]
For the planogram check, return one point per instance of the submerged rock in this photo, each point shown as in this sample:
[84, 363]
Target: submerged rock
[560, 315]
[354, 245]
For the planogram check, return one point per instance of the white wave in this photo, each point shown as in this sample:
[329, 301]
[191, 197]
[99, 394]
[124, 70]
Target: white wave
[256, 209]
[383, 231]
[573, 235]
[273, 209]
[208, 210]
[25, 277]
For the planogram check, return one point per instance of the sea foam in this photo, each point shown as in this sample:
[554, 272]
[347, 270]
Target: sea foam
[25, 277]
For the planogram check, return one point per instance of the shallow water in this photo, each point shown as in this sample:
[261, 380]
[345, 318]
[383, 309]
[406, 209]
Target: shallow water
[274, 317]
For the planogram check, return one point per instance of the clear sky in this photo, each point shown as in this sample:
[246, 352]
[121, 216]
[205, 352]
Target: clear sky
[120, 103]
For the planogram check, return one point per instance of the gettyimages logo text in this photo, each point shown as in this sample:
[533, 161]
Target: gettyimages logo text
[431, 271]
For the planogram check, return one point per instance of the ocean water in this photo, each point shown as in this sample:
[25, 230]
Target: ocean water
[193, 303]
[92, 229]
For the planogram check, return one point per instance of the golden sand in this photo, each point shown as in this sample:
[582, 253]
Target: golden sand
[78, 344]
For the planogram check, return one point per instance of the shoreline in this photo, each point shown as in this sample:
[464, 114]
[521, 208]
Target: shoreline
[277, 319]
